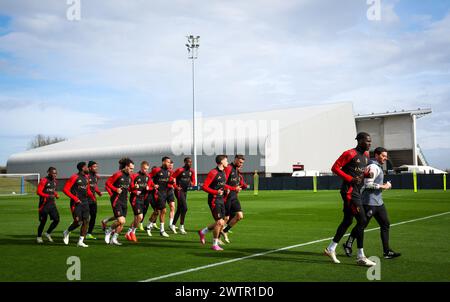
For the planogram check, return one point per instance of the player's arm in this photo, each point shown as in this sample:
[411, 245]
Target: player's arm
[68, 186]
[89, 191]
[132, 187]
[153, 173]
[343, 160]
[193, 177]
[110, 183]
[369, 181]
[97, 190]
[41, 187]
[243, 184]
[209, 179]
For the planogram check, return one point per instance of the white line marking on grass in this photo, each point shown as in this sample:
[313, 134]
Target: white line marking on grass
[275, 251]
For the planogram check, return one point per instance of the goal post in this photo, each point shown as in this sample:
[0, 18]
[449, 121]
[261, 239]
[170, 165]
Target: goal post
[18, 184]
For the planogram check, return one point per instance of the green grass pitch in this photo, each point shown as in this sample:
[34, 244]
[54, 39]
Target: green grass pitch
[273, 220]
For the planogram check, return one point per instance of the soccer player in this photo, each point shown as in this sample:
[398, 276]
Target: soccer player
[139, 188]
[118, 186]
[161, 177]
[372, 199]
[184, 178]
[78, 189]
[351, 167]
[171, 199]
[47, 207]
[93, 181]
[235, 183]
[214, 185]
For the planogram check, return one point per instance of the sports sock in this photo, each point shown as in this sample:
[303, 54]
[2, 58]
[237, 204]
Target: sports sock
[81, 239]
[361, 253]
[332, 246]
[170, 221]
[162, 227]
[215, 242]
[204, 231]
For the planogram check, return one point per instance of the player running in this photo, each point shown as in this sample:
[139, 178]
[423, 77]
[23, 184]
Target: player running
[214, 185]
[139, 189]
[372, 199]
[78, 189]
[351, 167]
[161, 177]
[171, 199]
[184, 178]
[235, 183]
[93, 181]
[47, 206]
[117, 186]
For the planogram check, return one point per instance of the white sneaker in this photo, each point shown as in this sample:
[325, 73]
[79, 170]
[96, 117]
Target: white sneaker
[82, 244]
[365, 262]
[149, 232]
[164, 234]
[173, 229]
[221, 242]
[49, 237]
[182, 231]
[39, 240]
[225, 237]
[332, 255]
[114, 241]
[108, 236]
[66, 235]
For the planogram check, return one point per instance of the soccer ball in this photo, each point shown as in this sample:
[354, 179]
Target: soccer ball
[14, 193]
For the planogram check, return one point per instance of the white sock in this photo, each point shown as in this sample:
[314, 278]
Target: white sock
[215, 242]
[170, 221]
[361, 253]
[115, 236]
[182, 227]
[130, 230]
[150, 225]
[332, 246]
[81, 239]
[133, 230]
[204, 231]
[162, 227]
[108, 230]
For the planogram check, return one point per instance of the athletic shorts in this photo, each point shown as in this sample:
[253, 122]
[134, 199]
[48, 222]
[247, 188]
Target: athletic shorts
[80, 211]
[232, 206]
[119, 207]
[217, 206]
[352, 200]
[171, 196]
[138, 205]
[159, 200]
[49, 210]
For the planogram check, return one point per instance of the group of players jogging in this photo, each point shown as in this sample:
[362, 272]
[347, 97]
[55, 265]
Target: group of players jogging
[143, 190]
[361, 191]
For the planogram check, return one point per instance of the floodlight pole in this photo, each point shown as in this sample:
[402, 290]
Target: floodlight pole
[192, 48]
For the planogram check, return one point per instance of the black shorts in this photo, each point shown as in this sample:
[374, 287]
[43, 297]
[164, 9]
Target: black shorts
[217, 207]
[232, 206]
[138, 205]
[49, 210]
[171, 196]
[80, 211]
[352, 200]
[119, 207]
[159, 200]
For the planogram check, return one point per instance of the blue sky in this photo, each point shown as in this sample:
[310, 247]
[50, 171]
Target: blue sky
[125, 63]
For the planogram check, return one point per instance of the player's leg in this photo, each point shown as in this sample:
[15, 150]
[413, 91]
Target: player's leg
[348, 245]
[236, 215]
[42, 221]
[182, 206]
[84, 226]
[178, 211]
[171, 216]
[77, 222]
[93, 217]
[381, 216]
[54, 217]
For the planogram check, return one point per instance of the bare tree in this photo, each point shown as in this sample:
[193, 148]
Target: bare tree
[41, 140]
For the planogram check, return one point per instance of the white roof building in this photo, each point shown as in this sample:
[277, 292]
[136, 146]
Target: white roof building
[272, 142]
